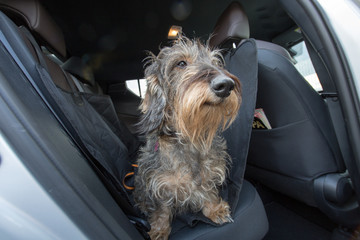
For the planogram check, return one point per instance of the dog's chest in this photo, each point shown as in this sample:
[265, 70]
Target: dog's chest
[179, 174]
[190, 164]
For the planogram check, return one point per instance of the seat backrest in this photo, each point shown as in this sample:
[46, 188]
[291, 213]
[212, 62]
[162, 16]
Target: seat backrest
[301, 146]
[109, 147]
[99, 106]
[240, 60]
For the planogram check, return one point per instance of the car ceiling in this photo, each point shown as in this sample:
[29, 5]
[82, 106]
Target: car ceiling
[113, 36]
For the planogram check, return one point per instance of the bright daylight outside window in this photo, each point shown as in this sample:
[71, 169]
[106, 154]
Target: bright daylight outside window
[137, 86]
[305, 67]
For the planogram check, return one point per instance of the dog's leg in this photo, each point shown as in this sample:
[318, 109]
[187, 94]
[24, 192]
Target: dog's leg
[160, 221]
[217, 211]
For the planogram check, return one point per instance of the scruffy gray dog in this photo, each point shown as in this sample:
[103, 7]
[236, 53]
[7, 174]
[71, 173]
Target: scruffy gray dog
[190, 99]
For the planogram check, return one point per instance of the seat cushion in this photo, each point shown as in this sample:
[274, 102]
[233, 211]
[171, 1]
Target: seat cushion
[250, 221]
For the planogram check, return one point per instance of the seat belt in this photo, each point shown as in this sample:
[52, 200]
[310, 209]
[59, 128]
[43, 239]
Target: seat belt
[330, 96]
[116, 189]
[337, 118]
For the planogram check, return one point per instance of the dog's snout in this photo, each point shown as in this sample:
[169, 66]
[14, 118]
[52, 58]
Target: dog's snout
[222, 86]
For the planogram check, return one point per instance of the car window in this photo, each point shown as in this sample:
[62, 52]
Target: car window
[137, 86]
[50, 55]
[305, 66]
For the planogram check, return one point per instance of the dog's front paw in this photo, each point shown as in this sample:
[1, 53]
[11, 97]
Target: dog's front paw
[218, 212]
[159, 234]
[160, 224]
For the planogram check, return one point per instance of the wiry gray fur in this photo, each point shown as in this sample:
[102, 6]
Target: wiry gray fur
[184, 162]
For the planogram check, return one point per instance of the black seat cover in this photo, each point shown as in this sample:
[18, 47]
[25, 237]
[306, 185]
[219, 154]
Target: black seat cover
[298, 148]
[301, 146]
[249, 216]
[113, 151]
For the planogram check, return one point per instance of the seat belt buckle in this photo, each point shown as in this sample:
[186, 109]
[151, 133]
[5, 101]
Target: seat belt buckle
[141, 225]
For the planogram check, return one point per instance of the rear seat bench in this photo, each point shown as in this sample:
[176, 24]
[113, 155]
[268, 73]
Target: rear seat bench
[97, 132]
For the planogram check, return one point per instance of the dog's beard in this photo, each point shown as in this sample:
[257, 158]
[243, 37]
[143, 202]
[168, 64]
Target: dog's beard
[200, 114]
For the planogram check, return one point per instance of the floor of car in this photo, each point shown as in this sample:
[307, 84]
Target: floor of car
[290, 219]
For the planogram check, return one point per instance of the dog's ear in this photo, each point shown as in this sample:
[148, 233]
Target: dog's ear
[153, 105]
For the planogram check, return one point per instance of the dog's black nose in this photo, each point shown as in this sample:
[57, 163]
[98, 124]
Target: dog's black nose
[222, 86]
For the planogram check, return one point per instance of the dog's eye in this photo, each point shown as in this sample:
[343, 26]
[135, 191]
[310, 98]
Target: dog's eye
[182, 64]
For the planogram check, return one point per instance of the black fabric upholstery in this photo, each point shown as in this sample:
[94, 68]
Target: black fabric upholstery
[301, 146]
[94, 121]
[107, 141]
[274, 48]
[242, 63]
[46, 149]
[250, 221]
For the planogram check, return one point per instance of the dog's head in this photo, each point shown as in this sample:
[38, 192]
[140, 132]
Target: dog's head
[189, 93]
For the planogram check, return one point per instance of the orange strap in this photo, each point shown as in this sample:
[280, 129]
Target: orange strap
[126, 186]
[128, 175]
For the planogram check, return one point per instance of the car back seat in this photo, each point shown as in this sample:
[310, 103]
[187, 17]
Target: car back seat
[112, 147]
[32, 124]
[62, 79]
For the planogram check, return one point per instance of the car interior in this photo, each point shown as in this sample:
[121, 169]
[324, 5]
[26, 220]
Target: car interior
[72, 81]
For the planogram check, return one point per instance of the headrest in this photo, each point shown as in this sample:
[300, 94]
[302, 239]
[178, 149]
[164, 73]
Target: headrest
[275, 48]
[232, 24]
[38, 20]
[80, 70]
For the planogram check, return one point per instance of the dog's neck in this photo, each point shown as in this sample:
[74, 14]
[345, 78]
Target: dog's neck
[174, 139]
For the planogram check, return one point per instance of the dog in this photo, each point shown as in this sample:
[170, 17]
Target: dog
[190, 100]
